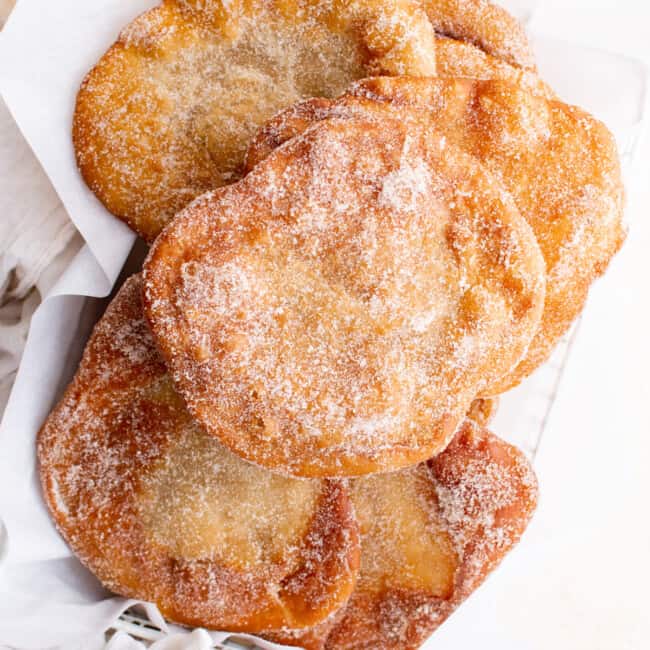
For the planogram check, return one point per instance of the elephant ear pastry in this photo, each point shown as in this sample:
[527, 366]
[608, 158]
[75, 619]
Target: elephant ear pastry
[160, 511]
[559, 164]
[336, 311]
[168, 111]
[485, 25]
[430, 535]
[460, 59]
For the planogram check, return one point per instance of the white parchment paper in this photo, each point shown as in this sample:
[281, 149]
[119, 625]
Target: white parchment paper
[47, 599]
[46, 48]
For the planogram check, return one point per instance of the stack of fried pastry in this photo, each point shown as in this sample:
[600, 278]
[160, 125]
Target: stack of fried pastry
[368, 219]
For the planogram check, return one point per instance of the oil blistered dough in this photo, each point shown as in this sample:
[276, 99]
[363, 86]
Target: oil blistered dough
[429, 536]
[459, 59]
[336, 311]
[168, 111]
[161, 512]
[483, 410]
[483, 24]
[559, 164]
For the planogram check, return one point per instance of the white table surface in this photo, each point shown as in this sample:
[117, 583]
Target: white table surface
[579, 580]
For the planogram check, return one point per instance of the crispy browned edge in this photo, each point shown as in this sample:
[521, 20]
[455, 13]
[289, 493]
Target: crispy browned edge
[286, 125]
[546, 341]
[456, 58]
[484, 24]
[296, 119]
[321, 585]
[361, 626]
[483, 410]
[83, 118]
[303, 115]
[160, 268]
[313, 638]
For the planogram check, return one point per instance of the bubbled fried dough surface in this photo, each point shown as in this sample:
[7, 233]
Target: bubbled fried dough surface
[559, 163]
[483, 410]
[337, 310]
[562, 168]
[168, 111]
[429, 536]
[160, 511]
[459, 59]
[485, 25]
[454, 59]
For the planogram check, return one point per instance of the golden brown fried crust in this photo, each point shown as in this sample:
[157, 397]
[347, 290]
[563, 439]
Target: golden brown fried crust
[284, 126]
[313, 638]
[483, 410]
[559, 163]
[481, 493]
[453, 59]
[168, 111]
[485, 25]
[145, 499]
[336, 311]
[458, 59]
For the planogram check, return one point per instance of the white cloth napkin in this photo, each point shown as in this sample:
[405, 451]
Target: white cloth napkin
[37, 237]
[37, 240]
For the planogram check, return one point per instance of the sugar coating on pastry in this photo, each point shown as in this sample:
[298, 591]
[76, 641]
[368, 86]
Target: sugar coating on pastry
[458, 59]
[336, 311]
[167, 112]
[454, 59]
[312, 638]
[560, 165]
[160, 511]
[430, 535]
[483, 410]
[485, 25]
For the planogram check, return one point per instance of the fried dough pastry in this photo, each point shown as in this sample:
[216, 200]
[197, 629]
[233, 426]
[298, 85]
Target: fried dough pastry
[337, 310]
[559, 163]
[483, 410]
[485, 25]
[458, 59]
[430, 535]
[160, 511]
[313, 638]
[168, 111]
